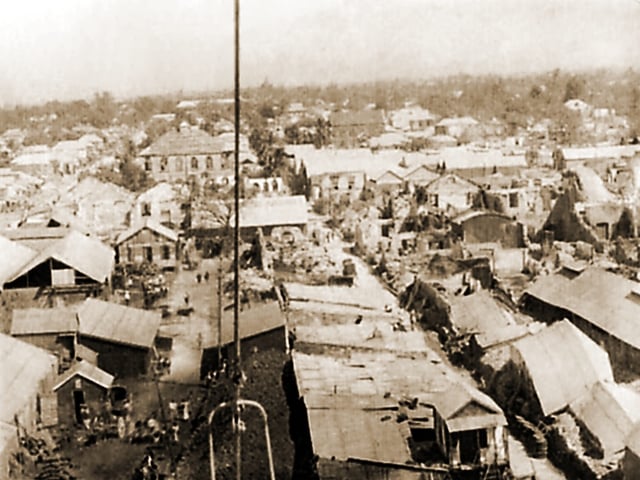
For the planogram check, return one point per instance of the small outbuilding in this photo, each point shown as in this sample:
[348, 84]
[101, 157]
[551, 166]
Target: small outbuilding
[470, 428]
[83, 385]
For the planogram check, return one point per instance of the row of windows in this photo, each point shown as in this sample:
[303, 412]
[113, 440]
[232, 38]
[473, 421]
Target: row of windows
[179, 164]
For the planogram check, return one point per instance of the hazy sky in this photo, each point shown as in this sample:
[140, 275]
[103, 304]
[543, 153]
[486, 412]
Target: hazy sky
[72, 48]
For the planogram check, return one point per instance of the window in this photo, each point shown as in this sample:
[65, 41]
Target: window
[163, 164]
[194, 163]
[209, 163]
[146, 209]
[147, 164]
[513, 200]
[166, 252]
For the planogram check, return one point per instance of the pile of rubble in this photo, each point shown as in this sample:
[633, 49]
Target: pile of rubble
[306, 263]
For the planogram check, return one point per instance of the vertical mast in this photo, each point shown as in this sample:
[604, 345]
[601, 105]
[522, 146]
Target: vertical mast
[236, 243]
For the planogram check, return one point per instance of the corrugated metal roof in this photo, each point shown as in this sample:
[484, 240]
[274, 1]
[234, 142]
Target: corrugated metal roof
[273, 211]
[13, 256]
[374, 336]
[563, 364]
[87, 371]
[118, 323]
[36, 238]
[84, 254]
[187, 141]
[550, 289]
[257, 319]
[29, 321]
[592, 186]
[609, 411]
[466, 408]
[370, 374]
[602, 298]
[358, 435]
[633, 440]
[85, 353]
[148, 224]
[24, 369]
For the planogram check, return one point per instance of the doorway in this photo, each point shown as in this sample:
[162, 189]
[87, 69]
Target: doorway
[148, 254]
[78, 401]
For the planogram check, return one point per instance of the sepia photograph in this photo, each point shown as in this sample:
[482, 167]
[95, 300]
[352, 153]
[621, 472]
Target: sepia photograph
[320, 240]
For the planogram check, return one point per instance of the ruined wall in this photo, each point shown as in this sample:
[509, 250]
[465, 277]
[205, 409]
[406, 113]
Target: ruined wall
[431, 308]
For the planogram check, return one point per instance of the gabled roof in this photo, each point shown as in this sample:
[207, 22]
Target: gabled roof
[451, 181]
[84, 254]
[609, 411]
[12, 256]
[422, 173]
[466, 408]
[87, 371]
[34, 321]
[563, 364]
[187, 141]
[253, 321]
[24, 368]
[148, 224]
[609, 301]
[388, 177]
[273, 211]
[118, 323]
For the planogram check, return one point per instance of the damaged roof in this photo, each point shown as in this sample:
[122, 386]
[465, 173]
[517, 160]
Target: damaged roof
[563, 364]
[118, 323]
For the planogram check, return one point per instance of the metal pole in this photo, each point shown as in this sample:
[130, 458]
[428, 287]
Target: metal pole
[249, 403]
[236, 245]
[219, 311]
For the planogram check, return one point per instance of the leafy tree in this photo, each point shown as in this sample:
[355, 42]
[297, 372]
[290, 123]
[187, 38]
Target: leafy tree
[575, 88]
